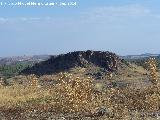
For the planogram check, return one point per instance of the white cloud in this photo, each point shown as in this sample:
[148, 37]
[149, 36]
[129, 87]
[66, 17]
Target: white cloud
[98, 13]
[25, 19]
[3, 20]
[22, 19]
[117, 12]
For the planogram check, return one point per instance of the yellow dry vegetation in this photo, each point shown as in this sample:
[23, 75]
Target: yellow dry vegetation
[78, 94]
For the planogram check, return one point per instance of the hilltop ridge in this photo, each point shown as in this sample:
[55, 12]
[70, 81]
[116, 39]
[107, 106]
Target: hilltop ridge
[107, 60]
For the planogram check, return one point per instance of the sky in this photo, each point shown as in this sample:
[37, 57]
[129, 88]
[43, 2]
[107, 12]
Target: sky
[125, 27]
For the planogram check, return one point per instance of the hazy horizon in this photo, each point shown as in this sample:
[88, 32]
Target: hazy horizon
[124, 27]
[73, 51]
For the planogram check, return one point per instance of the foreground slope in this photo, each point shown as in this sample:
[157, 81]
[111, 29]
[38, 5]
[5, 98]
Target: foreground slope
[76, 86]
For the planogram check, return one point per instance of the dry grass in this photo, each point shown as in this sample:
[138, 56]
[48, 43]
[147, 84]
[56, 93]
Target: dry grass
[153, 70]
[80, 95]
[33, 80]
[75, 94]
[13, 95]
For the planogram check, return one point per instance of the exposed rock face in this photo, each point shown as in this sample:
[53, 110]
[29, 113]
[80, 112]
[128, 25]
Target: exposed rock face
[107, 60]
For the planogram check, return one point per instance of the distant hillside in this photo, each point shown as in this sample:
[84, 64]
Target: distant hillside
[14, 69]
[106, 60]
[11, 66]
[141, 59]
[23, 59]
[141, 56]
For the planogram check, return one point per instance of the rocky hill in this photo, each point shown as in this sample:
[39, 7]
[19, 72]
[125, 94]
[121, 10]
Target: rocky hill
[106, 60]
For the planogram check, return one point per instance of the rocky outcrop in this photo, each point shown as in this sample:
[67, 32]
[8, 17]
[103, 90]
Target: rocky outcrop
[107, 60]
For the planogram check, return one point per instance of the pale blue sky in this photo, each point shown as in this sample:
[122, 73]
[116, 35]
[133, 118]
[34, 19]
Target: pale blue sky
[121, 26]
